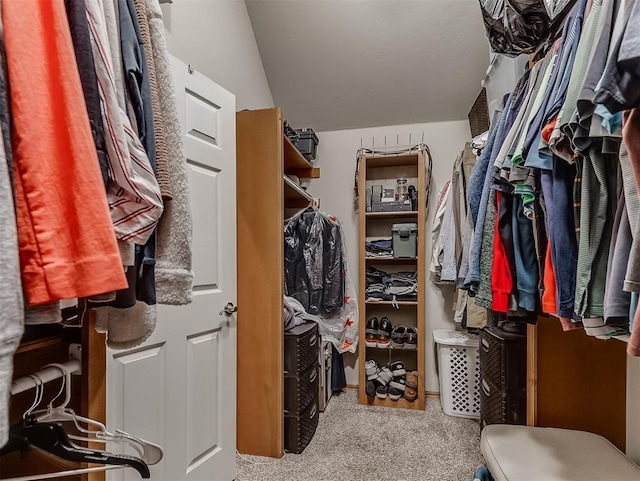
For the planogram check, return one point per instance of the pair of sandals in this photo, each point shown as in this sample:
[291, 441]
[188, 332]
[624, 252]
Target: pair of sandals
[378, 333]
[392, 381]
[411, 386]
[404, 337]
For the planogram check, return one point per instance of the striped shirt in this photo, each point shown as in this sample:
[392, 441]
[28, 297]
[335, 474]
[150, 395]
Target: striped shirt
[133, 193]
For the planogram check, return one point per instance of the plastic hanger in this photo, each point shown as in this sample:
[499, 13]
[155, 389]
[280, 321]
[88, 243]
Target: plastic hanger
[53, 439]
[149, 452]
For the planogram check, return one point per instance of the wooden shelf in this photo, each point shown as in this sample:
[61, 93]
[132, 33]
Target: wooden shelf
[296, 164]
[405, 213]
[390, 303]
[392, 259]
[296, 196]
[391, 348]
[40, 343]
[379, 167]
[388, 403]
[391, 160]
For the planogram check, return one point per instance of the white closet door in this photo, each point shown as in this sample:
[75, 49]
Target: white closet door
[179, 388]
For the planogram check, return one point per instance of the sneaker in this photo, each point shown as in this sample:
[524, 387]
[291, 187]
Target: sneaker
[394, 394]
[371, 369]
[411, 338]
[385, 376]
[398, 337]
[371, 332]
[398, 383]
[384, 333]
[382, 391]
[397, 369]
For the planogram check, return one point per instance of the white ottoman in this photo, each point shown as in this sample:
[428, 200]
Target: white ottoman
[522, 453]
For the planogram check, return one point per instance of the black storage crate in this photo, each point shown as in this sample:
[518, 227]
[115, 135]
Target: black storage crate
[301, 390]
[307, 143]
[301, 348]
[500, 407]
[299, 430]
[503, 373]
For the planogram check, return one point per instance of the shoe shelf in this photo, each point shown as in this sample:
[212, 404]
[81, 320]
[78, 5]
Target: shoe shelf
[391, 348]
[390, 403]
[385, 169]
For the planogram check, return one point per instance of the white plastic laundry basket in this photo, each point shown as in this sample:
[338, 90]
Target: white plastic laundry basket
[459, 362]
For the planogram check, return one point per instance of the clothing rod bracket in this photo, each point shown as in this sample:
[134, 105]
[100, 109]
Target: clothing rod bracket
[75, 354]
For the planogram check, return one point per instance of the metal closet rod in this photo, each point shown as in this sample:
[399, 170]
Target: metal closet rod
[46, 375]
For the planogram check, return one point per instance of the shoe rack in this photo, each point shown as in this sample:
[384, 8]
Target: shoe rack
[385, 167]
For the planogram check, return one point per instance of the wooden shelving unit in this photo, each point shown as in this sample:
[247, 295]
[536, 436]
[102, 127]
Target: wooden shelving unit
[410, 313]
[407, 213]
[265, 160]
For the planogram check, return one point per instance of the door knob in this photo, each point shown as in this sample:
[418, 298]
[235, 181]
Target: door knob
[229, 309]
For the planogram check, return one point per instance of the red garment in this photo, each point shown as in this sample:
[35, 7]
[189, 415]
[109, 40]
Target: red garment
[67, 244]
[501, 280]
[547, 130]
[549, 302]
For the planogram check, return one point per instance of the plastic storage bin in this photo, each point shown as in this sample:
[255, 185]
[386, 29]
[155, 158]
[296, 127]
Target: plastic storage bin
[459, 363]
[307, 143]
[405, 240]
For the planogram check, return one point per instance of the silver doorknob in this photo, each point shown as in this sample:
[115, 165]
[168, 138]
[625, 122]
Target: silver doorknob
[229, 309]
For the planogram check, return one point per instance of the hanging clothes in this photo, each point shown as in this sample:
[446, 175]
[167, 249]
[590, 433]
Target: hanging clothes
[314, 266]
[562, 202]
[11, 313]
[67, 245]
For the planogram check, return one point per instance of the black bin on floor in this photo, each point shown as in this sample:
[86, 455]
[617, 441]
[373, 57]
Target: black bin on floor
[301, 358]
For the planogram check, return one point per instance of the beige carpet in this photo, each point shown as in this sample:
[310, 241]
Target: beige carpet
[356, 443]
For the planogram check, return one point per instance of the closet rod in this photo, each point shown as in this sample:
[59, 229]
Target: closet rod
[62, 474]
[46, 375]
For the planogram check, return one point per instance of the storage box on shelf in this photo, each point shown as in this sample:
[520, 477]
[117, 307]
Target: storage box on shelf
[383, 171]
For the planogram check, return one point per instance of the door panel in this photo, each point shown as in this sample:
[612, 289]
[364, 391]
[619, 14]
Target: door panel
[179, 388]
[206, 218]
[202, 389]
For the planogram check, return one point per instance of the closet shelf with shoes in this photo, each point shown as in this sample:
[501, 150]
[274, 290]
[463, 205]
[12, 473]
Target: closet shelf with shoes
[392, 188]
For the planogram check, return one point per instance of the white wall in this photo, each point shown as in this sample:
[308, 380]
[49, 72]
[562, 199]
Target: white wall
[215, 36]
[502, 78]
[336, 159]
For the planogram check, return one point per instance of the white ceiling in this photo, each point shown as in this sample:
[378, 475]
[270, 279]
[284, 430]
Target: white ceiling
[342, 64]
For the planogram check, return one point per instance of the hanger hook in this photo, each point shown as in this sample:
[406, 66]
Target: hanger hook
[66, 384]
[38, 397]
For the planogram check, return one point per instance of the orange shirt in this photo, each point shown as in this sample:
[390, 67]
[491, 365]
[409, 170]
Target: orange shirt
[67, 244]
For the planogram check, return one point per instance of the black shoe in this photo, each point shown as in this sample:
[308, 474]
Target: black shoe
[371, 332]
[384, 333]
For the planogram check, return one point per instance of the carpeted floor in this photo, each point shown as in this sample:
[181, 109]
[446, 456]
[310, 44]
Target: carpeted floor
[356, 443]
